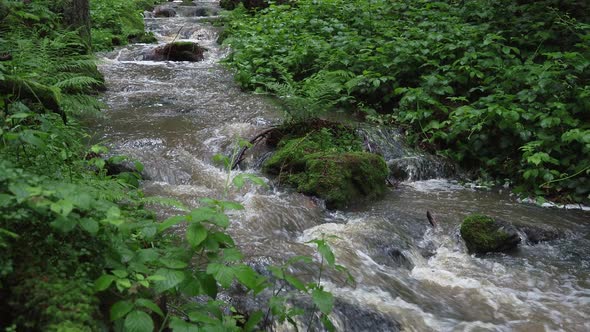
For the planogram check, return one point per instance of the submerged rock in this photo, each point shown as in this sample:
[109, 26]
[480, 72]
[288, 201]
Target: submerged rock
[484, 234]
[536, 234]
[326, 160]
[177, 51]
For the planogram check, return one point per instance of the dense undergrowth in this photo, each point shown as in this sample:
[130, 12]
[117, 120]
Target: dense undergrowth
[79, 249]
[116, 22]
[501, 87]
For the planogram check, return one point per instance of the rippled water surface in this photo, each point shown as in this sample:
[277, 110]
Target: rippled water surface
[175, 116]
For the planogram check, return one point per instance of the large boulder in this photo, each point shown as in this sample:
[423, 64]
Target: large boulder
[177, 51]
[326, 160]
[484, 234]
[160, 11]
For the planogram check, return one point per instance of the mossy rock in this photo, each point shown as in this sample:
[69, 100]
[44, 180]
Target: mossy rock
[326, 160]
[485, 234]
[177, 51]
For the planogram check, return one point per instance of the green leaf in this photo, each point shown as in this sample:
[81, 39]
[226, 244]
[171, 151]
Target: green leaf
[227, 205]
[328, 323]
[170, 222]
[139, 166]
[253, 320]
[179, 325]
[323, 300]
[62, 207]
[149, 232]
[196, 234]
[120, 273]
[103, 282]
[325, 250]
[223, 274]
[120, 309]
[202, 214]
[89, 225]
[208, 284]
[173, 263]
[191, 287]
[64, 224]
[239, 180]
[150, 305]
[295, 282]
[248, 277]
[173, 278]
[220, 220]
[198, 316]
[138, 321]
[232, 255]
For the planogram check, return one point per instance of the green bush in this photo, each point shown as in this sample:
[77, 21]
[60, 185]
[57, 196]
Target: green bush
[502, 88]
[116, 23]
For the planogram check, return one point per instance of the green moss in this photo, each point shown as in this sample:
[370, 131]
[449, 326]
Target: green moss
[325, 159]
[482, 234]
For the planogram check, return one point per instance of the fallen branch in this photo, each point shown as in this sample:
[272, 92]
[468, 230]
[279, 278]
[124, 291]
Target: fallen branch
[6, 57]
[255, 140]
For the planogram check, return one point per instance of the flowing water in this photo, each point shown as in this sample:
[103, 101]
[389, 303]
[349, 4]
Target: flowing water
[174, 116]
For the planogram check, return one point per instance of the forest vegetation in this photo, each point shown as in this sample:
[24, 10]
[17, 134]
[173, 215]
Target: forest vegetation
[500, 87]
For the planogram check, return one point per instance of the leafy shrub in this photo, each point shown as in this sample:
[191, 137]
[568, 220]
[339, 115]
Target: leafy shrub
[500, 87]
[116, 22]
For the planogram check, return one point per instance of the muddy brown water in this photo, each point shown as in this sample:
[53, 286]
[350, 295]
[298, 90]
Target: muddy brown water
[175, 116]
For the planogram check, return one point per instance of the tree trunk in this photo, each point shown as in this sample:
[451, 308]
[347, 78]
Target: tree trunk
[77, 16]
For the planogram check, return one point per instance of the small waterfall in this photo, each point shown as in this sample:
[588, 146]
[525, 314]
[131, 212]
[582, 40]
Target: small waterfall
[405, 163]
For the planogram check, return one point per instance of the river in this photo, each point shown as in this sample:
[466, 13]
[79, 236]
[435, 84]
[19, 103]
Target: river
[175, 116]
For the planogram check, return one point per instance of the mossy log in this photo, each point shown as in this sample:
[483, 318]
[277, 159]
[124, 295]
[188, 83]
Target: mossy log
[36, 92]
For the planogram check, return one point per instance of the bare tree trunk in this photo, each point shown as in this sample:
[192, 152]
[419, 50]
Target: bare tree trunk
[77, 16]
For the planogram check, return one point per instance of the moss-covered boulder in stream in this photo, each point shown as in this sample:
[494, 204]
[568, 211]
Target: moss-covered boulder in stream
[326, 160]
[485, 234]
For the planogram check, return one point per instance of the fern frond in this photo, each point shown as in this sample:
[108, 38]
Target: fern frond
[77, 83]
[164, 201]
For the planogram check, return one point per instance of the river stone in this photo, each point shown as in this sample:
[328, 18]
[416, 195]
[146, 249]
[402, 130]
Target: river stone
[164, 12]
[485, 234]
[536, 234]
[177, 51]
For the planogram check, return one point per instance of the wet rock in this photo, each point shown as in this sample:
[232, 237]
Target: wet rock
[352, 317]
[398, 258]
[536, 234]
[164, 12]
[485, 234]
[177, 51]
[326, 160]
